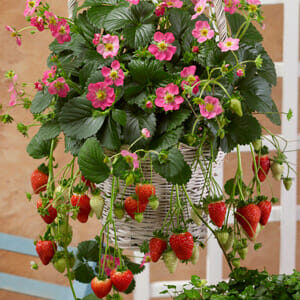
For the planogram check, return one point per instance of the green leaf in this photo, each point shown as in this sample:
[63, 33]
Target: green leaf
[175, 170]
[131, 287]
[91, 3]
[139, 100]
[90, 297]
[73, 145]
[119, 116]
[83, 272]
[98, 14]
[118, 19]
[109, 136]
[88, 250]
[180, 21]
[84, 26]
[228, 187]
[77, 121]
[196, 281]
[134, 268]
[120, 166]
[168, 140]
[49, 130]
[139, 35]
[41, 101]
[86, 72]
[91, 161]
[38, 148]
[251, 36]
[77, 44]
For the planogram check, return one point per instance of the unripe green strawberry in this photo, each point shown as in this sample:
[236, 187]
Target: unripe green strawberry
[119, 211]
[195, 255]
[170, 259]
[236, 262]
[64, 234]
[257, 144]
[195, 217]
[129, 179]
[97, 205]
[60, 265]
[71, 259]
[222, 237]
[287, 183]
[277, 170]
[154, 204]
[243, 252]
[139, 217]
[229, 242]
[236, 107]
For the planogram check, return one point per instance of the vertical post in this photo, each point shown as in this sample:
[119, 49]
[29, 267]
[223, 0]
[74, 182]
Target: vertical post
[142, 289]
[289, 131]
[214, 259]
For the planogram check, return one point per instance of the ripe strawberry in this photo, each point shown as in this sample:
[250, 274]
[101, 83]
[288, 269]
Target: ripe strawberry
[157, 246]
[82, 217]
[182, 244]
[170, 259]
[263, 167]
[97, 205]
[133, 206]
[121, 280]
[144, 192]
[101, 288]
[248, 216]
[217, 212]
[277, 170]
[83, 202]
[51, 212]
[265, 208]
[45, 250]
[88, 183]
[39, 181]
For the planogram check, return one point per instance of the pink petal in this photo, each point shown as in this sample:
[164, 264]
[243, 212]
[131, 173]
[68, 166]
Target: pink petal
[169, 37]
[105, 71]
[115, 65]
[158, 36]
[172, 89]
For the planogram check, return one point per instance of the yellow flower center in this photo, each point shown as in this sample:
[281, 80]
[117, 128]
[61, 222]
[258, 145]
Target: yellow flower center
[109, 47]
[191, 79]
[169, 98]
[148, 259]
[31, 4]
[13, 34]
[162, 46]
[101, 95]
[52, 21]
[110, 264]
[129, 159]
[209, 107]
[252, 8]
[229, 4]
[204, 31]
[170, 3]
[59, 85]
[114, 74]
[228, 44]
[62, 30]
[199, 9]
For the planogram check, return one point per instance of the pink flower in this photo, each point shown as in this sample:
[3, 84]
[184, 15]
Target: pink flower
[52, 21]
[37, 22]
[59, 87]
[96, 40]
[149, 104]
[162, 49]
[166, 97]
[254, 2]
[240, 72]
[110, 263]
[146, 133]
[15, 34]
[199, 8]
[131, 158]
[109, 46]
[146, 259]
[101, 95]
[229, 44]
[173, 3]
[12, 90]
[134, 2]
[211, 108]
[49, 75]
[62, 32]
[202, 31]
[38, 86]
[231, 6]
[195, 49]
[188, 74]
[31, 6]
[160, 9]
[115, 75]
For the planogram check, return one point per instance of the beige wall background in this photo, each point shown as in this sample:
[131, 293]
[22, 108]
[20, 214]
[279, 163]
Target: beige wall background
[19, 217]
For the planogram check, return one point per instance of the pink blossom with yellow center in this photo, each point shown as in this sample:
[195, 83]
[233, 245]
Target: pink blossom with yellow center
[109, 263]
[115, 75]
[101, 95]
[173, 3]
[146, 133]
[37, 22]
[202, 31]
[49, 75]
[146, 259]
[240, 72]
[190, 79]
[31, 6]
[62, 32]
[231, 6]
[168, 98]
[109, 46]
[131, 158]
[52, 21]
[59, 87]
[229, 44]
[211, 107]
[199, 8]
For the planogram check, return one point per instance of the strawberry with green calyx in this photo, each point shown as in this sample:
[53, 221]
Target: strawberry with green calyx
[45, 251]
[157, 245]
[39, 179]
[144, 192]
[248, 217]
[265, 208]
[170, 260]
[133, 206]
[230, 240]
[119, 210]
[121, 279]
[153, 202]
[236, 107]
[195, 213]
[88, 183]
[243, 252]
[222, 236]
[195, 255]
[97, 203]
[287, 181]
[46, 210]
[182, 244]
[63, 233]
[263, 164]
[130, 179]
[277, 170]
[81, 200]
[60, 265]
[101, 287]
[217, 213]
[257, 144]
[236, 262]
[139, 216]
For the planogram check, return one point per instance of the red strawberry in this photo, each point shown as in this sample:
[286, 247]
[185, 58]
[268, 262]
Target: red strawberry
[157, 247]
[39, 181]
[217, 213]
[265, 208]
[133, 206]
[263, 167]
[82, 217]
[144, 192]
[182, 244]
[101, 288]
[83, 202]
[88, 183]
[121, 280]
[45, 250]
[51, 211]
[248, 216]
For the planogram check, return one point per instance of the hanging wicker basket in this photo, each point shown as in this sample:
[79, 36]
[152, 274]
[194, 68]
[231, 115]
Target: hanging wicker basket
[131, 234]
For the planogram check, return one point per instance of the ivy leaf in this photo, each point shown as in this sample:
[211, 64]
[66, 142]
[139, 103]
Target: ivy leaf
[119, 116]
[73, 145]
[49, 130]
[88, 250]
[138, 35]
[83, 272]
[38, 148]
[168, 140]
[91, 161]
[41, 101]
[175, 170]
[77, 121]
[109, 136]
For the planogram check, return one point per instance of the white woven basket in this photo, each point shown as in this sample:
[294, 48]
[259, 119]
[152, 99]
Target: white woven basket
[131, 234]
